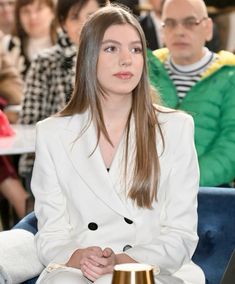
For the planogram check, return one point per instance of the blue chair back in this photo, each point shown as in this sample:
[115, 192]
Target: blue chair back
[216, 230]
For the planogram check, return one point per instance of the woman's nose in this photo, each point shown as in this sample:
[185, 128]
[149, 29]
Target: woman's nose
[125, 58]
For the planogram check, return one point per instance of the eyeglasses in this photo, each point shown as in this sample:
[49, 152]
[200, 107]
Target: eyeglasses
[188, 23]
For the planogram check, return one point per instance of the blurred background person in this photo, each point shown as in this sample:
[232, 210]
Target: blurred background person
[11, 187]
[50, 79]
[151, 25]
[10, 93]
[11, 86]
[34, 30]
[192, 78]
[7, 16]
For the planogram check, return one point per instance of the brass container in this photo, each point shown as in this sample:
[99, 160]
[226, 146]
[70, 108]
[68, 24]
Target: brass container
[133, 273]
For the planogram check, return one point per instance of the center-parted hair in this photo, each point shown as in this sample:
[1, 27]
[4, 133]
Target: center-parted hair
[18, 28]
[87, 94]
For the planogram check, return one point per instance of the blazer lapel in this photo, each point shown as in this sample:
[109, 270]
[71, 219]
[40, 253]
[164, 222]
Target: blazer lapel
[87, 160]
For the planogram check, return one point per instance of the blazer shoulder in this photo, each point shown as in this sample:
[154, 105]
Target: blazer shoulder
[171, 119]
[71, 123]
[168, 114]
[53, 123]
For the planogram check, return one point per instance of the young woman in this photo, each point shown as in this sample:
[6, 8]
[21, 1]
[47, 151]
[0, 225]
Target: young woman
[34, 31]
[50, 79]
[115, 177]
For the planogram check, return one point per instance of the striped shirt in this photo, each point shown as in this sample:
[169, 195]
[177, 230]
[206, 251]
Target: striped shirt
[184, 77]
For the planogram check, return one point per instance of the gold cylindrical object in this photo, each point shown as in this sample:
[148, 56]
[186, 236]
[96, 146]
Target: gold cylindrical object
[133, 273]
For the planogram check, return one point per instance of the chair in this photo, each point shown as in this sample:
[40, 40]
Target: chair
[216, 229]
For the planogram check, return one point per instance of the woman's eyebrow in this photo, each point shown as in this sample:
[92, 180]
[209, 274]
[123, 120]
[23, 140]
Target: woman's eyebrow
[110, 41]
[119, 43]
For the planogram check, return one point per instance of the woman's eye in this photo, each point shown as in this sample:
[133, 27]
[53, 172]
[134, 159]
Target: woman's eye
[136, 50]
[110, 49]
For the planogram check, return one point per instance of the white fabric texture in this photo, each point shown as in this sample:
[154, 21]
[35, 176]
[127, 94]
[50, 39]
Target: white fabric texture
[18, 257]
[58, 274]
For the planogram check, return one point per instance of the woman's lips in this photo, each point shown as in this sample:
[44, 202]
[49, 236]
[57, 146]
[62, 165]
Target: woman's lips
[123, 75]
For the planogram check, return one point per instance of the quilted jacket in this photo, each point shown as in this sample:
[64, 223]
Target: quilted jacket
[211, 102]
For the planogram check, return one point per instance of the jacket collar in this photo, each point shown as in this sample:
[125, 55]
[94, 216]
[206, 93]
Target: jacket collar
[224, 58]
[69, 49]
[86, 158]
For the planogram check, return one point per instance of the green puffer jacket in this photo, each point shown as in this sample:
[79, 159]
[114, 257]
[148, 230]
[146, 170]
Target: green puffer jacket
[211, 102]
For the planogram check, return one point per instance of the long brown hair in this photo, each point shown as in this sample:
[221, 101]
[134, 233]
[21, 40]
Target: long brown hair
[87, 92]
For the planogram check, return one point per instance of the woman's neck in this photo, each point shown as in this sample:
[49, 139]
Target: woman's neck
[116, 108]
[115, 112]
[36, 45]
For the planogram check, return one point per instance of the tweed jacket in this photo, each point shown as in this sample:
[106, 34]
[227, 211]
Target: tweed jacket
[18, 53]
[211, 102]
[78, 203]
[49, 84]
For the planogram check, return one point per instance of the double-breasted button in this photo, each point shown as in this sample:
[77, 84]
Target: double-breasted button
[92, 226]
[126, 247]
[128, 221]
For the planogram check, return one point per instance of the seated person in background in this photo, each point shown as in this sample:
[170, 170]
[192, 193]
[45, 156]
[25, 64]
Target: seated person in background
[34, 30]
[11, 86]
[7, 16]
[190, 77]
[151, 25]
[11, 187]
[110, 163]
[50, 79]
[10, 93]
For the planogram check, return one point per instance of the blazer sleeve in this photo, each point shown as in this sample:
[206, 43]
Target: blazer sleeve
[54, 240]
[177, 200]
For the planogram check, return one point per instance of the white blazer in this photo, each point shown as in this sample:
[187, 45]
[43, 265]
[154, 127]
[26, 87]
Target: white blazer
[80, 204]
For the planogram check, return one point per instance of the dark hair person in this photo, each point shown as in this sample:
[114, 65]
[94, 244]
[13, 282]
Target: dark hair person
[34, 30]
[115, 178]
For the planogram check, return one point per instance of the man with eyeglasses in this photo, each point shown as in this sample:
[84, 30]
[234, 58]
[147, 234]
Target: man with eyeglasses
[6, 15]
[191, 78]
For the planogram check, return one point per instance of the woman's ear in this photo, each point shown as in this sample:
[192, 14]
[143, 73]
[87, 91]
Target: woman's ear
[209, 29]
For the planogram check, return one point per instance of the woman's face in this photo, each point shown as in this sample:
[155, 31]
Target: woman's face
[6, 15]
[120, 62]
[36, 19]
[75, 20]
